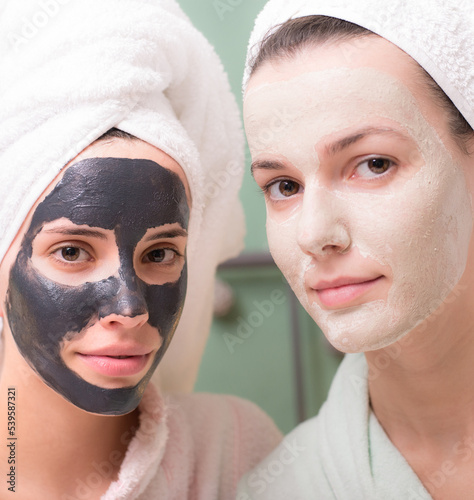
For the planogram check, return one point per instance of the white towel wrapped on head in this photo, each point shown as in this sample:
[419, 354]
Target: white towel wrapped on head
[437, 34]
[71, 70]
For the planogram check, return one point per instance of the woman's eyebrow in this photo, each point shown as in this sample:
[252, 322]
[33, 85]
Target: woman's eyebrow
[345, 142]
[71, 231]
[266, 165]
[167, 233]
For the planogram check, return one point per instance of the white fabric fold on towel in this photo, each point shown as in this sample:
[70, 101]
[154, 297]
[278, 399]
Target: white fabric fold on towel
[342, 454]
[71, 70]
[438, 34]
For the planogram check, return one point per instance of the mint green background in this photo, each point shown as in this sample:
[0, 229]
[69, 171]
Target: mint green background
[257, 362]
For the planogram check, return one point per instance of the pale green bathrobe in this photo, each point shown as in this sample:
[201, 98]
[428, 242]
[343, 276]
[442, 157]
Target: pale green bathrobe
[342, 454]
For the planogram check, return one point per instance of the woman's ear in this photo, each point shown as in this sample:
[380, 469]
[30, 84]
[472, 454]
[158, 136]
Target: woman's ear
[470, 147]
[2, 307]
[467, 159]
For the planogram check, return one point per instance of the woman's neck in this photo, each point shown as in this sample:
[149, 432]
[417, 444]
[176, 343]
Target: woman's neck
[69, 452]
[427, 378]
[422, 392]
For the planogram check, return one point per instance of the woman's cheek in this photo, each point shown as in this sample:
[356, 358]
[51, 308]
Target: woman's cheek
[287, 254]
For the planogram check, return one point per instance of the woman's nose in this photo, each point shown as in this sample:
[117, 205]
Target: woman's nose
[322, 225]
[127, 306]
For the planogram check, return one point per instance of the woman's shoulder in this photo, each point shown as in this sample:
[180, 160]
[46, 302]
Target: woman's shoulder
[289, 471]
[205, 443]
[220, 403]
[229, 435]
[208, 414]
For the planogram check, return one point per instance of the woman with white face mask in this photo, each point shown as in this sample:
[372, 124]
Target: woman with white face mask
[112, 134]
[359, 120]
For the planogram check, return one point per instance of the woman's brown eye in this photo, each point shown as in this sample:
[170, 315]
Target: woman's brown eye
[157, 255]
[288, 188]
[70, 253]
[161, 255]
[379, 165]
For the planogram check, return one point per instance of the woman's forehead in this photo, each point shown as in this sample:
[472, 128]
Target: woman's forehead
[314, 105]
[379, 58]
[135, 149]
[111, 192]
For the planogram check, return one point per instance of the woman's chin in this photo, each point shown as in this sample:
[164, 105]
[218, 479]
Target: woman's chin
[364, 328]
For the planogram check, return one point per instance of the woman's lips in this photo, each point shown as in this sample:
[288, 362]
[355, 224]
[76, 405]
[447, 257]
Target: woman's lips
[116, 366]
[343, 292]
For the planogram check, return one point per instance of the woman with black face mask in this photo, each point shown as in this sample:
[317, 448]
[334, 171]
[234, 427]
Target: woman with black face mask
[111, 137]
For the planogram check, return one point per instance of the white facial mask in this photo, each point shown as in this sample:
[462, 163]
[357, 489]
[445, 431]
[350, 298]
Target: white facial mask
[416, 231]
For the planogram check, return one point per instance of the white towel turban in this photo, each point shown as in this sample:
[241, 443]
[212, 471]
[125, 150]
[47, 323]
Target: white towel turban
[438, 34]
[71, 70]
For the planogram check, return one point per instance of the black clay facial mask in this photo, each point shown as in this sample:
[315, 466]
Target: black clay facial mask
[128, 197]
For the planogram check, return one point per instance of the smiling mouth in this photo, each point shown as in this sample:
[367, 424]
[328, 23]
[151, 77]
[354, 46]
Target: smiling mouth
[343, 295]
[116, 366]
